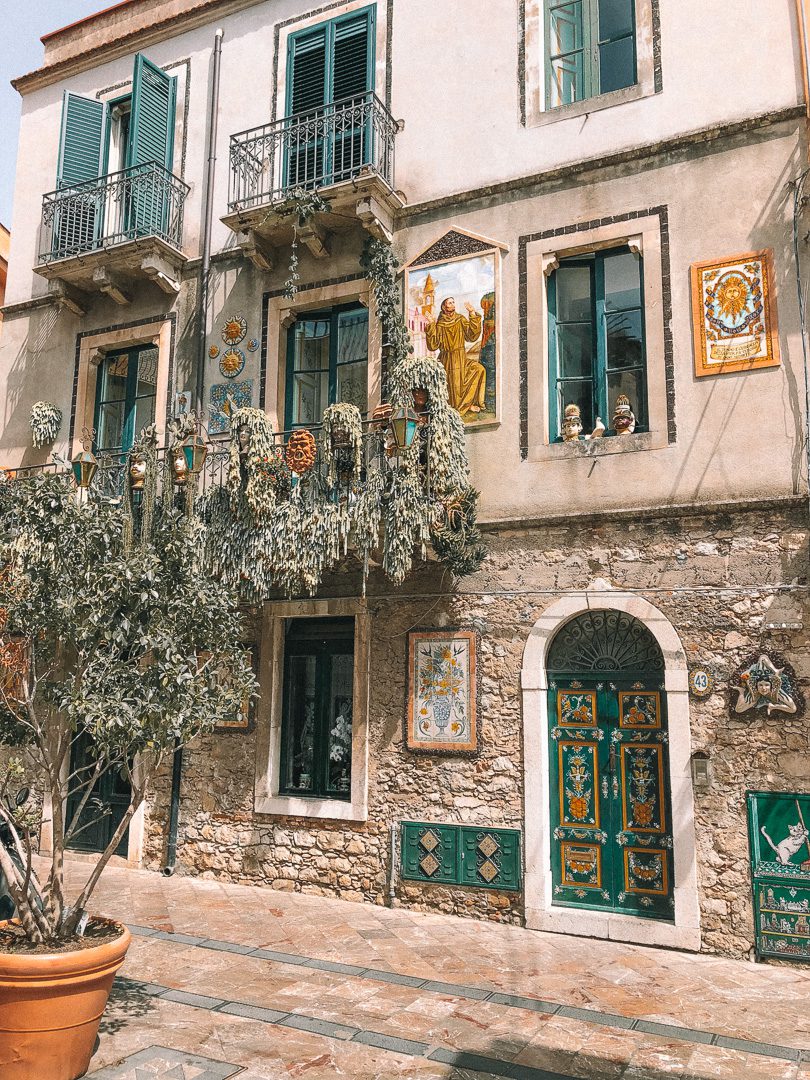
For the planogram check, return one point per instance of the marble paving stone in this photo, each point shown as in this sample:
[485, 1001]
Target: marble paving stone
[166, 1064]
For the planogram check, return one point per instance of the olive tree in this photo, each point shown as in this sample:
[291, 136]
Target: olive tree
[128, 645]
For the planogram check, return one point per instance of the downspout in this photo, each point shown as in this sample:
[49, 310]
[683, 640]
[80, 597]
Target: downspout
[199, 389]
[208, 215]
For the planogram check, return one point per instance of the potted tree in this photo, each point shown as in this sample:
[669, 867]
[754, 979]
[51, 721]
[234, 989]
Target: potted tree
[110, 637]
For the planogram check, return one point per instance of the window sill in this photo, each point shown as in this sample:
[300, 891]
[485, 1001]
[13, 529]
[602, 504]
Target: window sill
[296, 806]
[588, 105]
[607, 445]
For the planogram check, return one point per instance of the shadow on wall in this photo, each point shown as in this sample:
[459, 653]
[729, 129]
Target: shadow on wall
[772, 229]
[36, 372]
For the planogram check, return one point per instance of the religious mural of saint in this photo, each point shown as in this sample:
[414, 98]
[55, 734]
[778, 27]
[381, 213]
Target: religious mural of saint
[466, 378]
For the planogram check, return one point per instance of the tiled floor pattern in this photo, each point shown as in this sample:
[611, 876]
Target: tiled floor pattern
[642, 987]
[165, 1064]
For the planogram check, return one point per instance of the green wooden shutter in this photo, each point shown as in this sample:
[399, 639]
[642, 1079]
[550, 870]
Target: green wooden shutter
[83, 125]
[306, 72]
[151, 133]
[351, 60]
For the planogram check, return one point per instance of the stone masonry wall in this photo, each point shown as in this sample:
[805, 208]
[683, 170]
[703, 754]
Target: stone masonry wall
[718, 578]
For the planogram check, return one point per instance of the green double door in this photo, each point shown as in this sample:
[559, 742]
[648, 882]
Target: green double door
[611, 837]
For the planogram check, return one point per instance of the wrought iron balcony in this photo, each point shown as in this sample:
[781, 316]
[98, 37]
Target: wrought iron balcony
[94, 229]
[344, 150]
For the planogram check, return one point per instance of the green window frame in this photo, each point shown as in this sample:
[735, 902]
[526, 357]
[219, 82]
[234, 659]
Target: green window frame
[596, 346]
[590, 49]
[327, 362]
[318, 699]
[126, 396]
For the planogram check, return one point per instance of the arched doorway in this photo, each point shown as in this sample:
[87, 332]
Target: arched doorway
[619, 640]
[610, 806]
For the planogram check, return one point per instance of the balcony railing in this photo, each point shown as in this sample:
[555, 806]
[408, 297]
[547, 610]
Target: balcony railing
[311, 150]
[145, 200]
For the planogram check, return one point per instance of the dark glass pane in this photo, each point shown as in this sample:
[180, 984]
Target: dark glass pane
[114, 377]
[299, 724]
[566, 80]
[574, 350]
[565, 29]
[573, 294]
[622, 281]
[147, 371]
[310, 397]
[630, 383]
[144, 414]
[352, 385]
[576, 393]
[615, 18]
[110, 425]
[340, 723]
[617, 65]
[312, 345]
[352, 336]
[625, 347]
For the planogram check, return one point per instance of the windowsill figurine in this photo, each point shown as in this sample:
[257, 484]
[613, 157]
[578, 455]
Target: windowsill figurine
[572, 426]
[624, 420]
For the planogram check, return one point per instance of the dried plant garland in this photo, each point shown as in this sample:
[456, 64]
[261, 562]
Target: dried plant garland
[343, 420]
[45, 421]
[255, 469]
[301, 206]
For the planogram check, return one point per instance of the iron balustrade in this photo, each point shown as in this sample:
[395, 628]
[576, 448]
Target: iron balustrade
[144, 200]
[310, 150]
[377, 454]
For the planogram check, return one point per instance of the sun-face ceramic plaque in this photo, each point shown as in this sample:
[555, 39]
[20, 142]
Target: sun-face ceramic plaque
[734, 314]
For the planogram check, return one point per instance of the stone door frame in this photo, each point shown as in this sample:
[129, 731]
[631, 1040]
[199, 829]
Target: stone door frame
[541, 914]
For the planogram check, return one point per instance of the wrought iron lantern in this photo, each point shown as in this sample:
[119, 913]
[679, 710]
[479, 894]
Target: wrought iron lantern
[403, 425]
[195, 452]
[85, 465]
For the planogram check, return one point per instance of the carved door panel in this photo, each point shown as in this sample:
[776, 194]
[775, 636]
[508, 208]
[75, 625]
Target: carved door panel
[611, 841]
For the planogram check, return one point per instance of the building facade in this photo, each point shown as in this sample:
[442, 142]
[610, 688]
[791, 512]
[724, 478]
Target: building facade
[598, 242]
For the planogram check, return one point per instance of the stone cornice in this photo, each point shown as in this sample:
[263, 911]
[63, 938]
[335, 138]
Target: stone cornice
[132, 40]
[706, 137]
[785, 504]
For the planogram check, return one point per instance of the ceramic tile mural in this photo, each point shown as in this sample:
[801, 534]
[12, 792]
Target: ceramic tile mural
[442, 712]
[452, 315]
[780, 871]
[734, 314]
[225, 399]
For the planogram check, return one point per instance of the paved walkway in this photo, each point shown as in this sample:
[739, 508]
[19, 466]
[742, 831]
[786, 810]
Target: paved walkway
[227, 980]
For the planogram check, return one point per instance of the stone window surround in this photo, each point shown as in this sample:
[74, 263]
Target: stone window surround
[642, 235]
[270, 703]
[324, 14]
[536, 114]
[280, 315]
[541, 914]
[94, 346]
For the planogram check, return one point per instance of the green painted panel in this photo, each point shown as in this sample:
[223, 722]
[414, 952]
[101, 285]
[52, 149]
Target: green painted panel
[466, 855]
[83, 123]
[490, 858]
[430, 852]
[780, 871]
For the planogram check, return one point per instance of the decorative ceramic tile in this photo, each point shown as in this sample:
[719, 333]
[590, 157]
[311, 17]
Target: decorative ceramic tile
[160, 1061]
[442, 712]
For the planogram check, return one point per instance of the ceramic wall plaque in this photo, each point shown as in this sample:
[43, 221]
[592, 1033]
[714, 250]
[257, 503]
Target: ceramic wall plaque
[442, 703]
[734, 314]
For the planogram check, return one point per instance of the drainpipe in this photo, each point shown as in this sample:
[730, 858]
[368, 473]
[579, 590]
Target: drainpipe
[199, 389]
[174, 809]
[208, 214]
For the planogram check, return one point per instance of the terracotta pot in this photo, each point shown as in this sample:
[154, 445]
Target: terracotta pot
[50, 1008]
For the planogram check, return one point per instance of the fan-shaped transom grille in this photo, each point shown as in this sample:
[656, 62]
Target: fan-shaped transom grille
[605, 641]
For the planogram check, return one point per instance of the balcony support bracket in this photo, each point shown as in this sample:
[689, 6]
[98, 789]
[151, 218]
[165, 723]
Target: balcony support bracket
[376, 219]
[162, 273]
[315, 239]
[255, 249]
[110, 285]
[66, 298]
